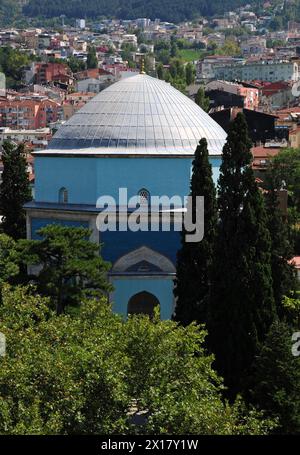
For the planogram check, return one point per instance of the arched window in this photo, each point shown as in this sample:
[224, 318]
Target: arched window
[142, 303]
[63, 196]
[144, 197]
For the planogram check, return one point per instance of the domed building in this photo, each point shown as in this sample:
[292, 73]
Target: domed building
[139, 134]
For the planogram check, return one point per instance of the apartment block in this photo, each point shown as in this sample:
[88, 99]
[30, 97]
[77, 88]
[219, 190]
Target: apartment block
[28, 113]
[264, 71]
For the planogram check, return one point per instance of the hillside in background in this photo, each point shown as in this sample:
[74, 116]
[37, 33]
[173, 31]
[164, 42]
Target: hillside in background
[166, 10]
[9, 11]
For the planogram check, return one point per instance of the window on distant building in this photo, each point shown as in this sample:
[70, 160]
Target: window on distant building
[63, 196]
[144, 196]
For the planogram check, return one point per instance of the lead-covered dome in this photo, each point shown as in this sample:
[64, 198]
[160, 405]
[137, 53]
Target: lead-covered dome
[139, 115]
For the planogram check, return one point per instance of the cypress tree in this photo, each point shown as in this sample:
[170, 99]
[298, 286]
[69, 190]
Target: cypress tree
[194, 259]
[241, 307]
[283, 273]
[14, 190]
[202, 100]
[92, 61]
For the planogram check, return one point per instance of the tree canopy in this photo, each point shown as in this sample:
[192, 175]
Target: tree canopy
[12, 63]
[194, 259]
[15, 190]
[81, 374]
[202, 100]
[168, 10]
[277, 379]
[70, 265]
[241, 307]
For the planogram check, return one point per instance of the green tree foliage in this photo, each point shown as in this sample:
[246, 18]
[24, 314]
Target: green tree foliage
[176, 74]
[290, 11]
[274, 43]
[283, 273]
[276, 23]
[8, 261]
[60, 374]
[14, 190]
[277, 379]
[291, 307]
[160, 71]
[12, 63]
[92, 61]
[163, 56]
[202, 100]
[9, 11]
[177, 69]
[241, 307]
[194, 259]
[174, 48]
[285, 170]
[212, 47]
[177, 385]
[75, 64]
[190, 73]
[230, 47]
[170, 10]
[127, 52]
[82, 374]
[161, 44]
[8, 258]
[71, 265]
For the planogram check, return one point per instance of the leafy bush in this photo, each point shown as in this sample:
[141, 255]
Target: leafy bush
[86, 374]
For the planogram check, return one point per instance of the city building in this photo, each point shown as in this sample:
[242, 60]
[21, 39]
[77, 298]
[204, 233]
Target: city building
[249, 95]
[44, 73]
[263, 71]
[275, 95]
[80, 23]
[32, 138]
[254, 46]
[296, 263]
[206, 68]
[28, 112]
[261, 125]
[74, 102]
[295, 137]
[262, 155]
[139, 134]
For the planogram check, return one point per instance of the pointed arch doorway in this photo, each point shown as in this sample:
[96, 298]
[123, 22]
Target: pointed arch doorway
[142, 303]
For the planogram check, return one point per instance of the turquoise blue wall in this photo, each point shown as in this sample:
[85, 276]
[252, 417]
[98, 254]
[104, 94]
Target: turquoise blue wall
[161, 288]
[38, 223]
[117, 244]
[88, 178]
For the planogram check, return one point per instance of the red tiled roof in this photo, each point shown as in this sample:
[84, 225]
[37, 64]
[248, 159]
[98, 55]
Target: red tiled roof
[295, 261]
[264, 152]
[91, 73]
[274, 87]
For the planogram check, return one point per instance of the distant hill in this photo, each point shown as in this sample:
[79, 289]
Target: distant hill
[166, 10]
[9, 10]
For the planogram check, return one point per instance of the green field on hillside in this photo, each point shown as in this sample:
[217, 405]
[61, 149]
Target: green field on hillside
[189, 55]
